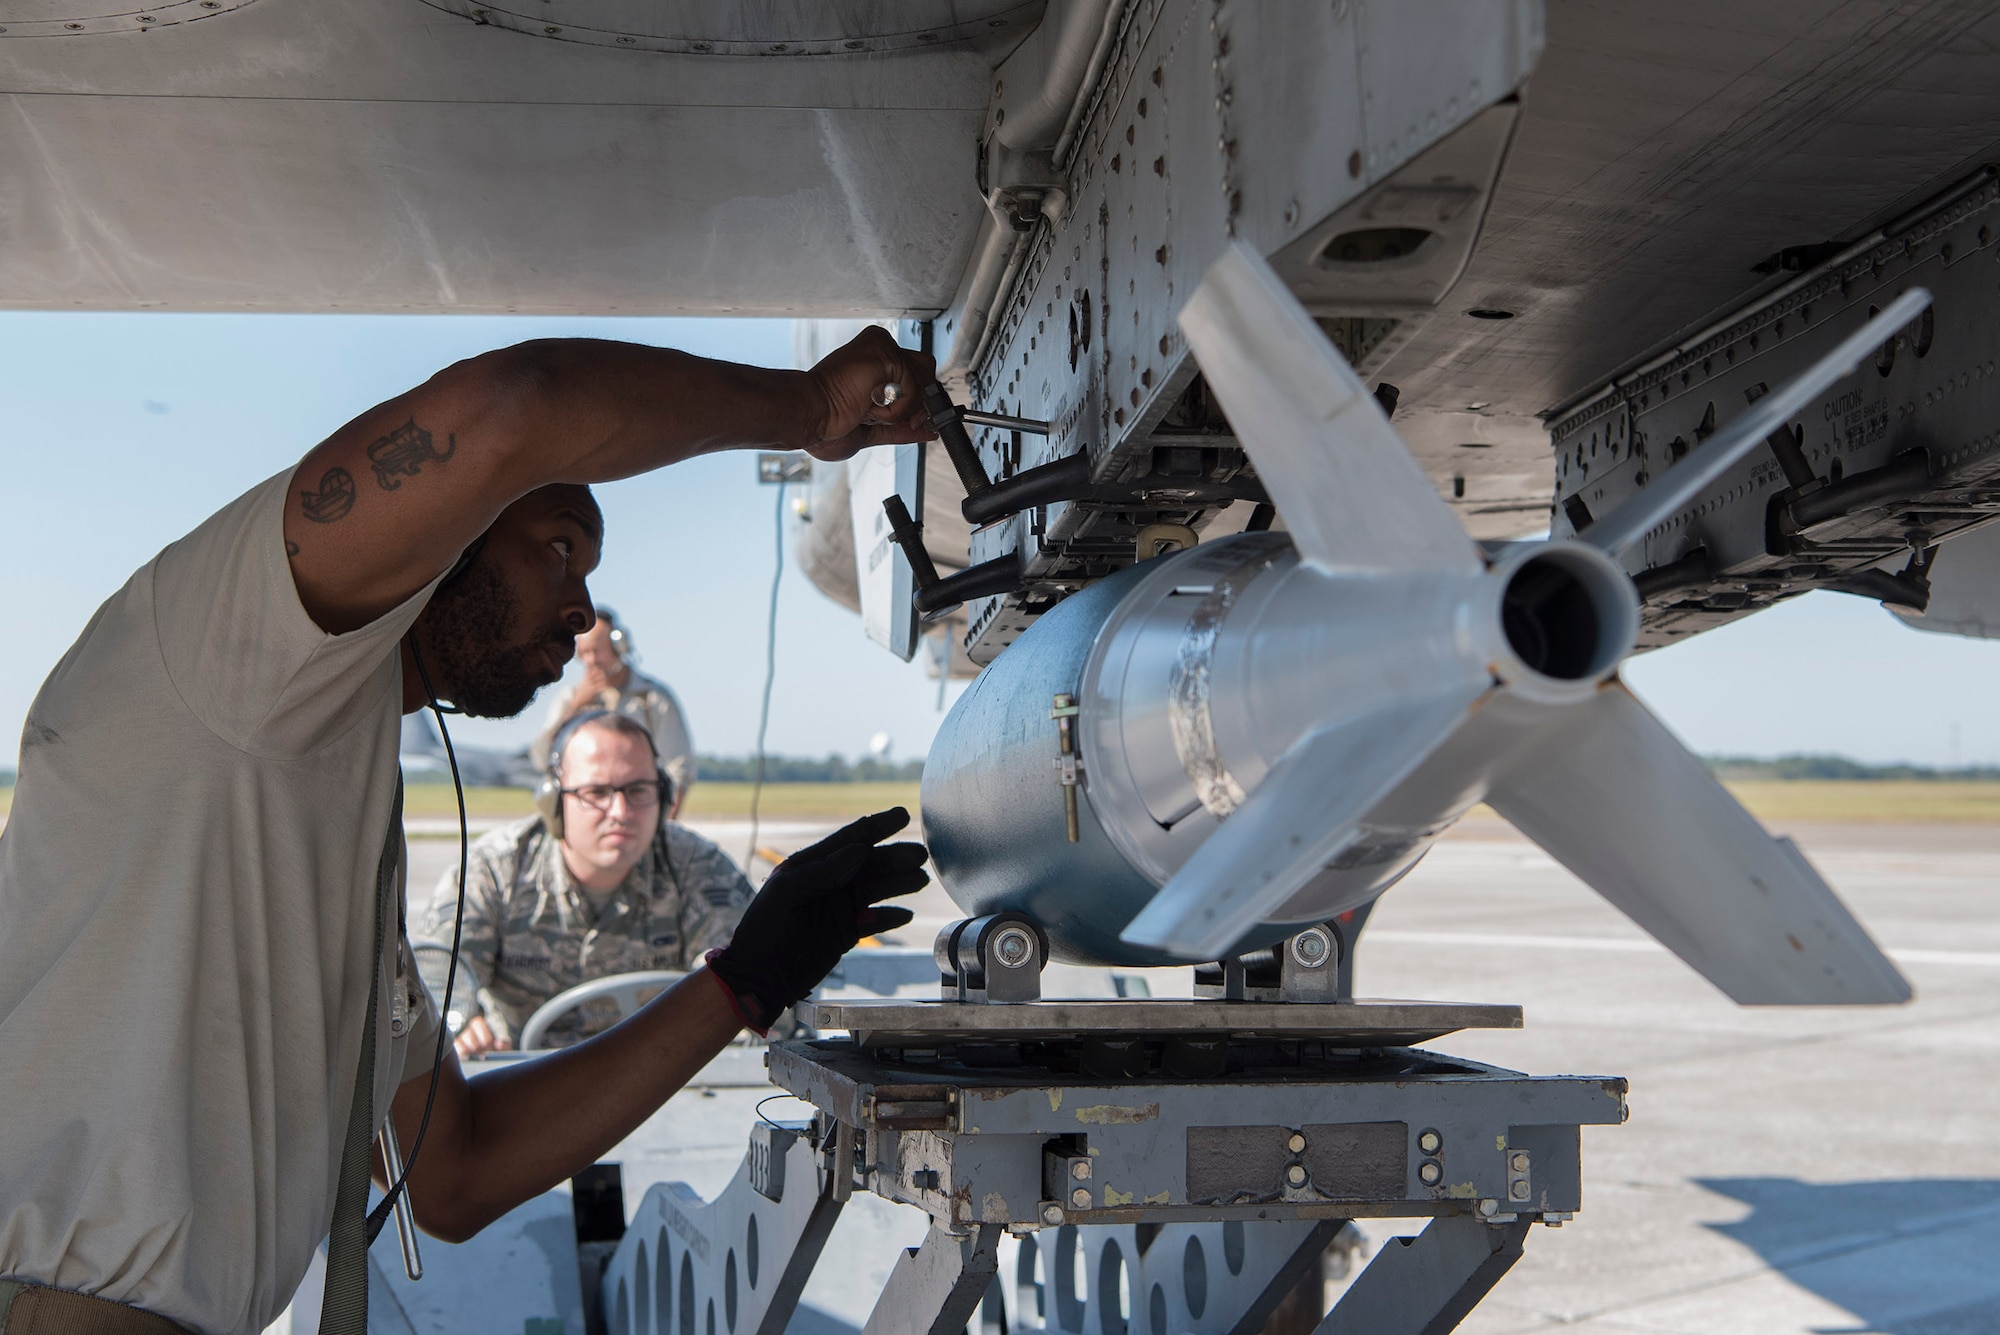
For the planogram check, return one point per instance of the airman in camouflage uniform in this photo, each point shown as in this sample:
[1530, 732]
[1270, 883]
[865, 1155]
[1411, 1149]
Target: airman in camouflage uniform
[531, 931]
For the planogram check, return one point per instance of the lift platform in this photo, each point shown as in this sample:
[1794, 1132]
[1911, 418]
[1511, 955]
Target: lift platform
[1151, 1166]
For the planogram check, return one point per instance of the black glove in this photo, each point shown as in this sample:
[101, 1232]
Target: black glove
[815, 906]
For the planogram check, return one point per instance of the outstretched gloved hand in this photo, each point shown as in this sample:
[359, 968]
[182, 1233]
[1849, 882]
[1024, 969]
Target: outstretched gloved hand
[815, 906]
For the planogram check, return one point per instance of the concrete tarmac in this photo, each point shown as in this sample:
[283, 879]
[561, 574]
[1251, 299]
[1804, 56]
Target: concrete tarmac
[1784, 1170]
[1814, 1171]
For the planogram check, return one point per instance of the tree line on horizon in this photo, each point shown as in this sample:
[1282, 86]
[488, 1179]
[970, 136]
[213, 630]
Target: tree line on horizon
[1838, 767]
[801, 769]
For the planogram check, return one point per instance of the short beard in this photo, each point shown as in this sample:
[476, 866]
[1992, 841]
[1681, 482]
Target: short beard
[468, 630]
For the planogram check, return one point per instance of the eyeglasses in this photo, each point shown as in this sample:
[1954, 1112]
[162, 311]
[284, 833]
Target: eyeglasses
[640, 796]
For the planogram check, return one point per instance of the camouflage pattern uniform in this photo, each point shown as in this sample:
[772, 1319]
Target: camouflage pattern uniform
[531, 931]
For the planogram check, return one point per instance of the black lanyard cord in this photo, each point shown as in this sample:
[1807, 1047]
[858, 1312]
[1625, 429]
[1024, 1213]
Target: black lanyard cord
[380, 1214]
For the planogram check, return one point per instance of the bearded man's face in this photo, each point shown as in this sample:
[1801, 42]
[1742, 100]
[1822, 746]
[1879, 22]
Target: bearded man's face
[502, 628]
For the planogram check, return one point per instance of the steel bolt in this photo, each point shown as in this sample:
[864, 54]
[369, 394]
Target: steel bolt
[1052, 1213]
[1296, 1144]
[1013, 947]
[1296, 1175]
[1518, 1191]
[1518, 1161]
[1429, 1174]
[1080, 1198]
[1488, 1208]
[1430, 1142]
[1312, 948]
[1080, 1170]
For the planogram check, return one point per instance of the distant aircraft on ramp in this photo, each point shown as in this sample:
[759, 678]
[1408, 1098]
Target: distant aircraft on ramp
[423, 755]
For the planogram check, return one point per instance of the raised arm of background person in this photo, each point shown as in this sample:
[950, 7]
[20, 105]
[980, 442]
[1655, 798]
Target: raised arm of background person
[667, 721]
[507, 1135]
[392, 498]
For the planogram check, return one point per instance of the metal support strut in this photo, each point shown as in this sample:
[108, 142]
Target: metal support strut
[935, 1288]
[1427, 1284]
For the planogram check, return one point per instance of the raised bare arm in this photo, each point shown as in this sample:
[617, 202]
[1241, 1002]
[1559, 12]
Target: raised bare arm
[390, 499]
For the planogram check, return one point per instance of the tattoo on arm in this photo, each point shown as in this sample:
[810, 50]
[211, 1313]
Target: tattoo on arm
[403, 453]
[332, 501]
[291, 548]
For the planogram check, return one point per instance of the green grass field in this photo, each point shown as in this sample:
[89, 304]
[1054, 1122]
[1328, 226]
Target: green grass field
[1828, 801]
[798, 801]
[435, 801]
[1859, 802]
[1864, 801]
[1871, 801]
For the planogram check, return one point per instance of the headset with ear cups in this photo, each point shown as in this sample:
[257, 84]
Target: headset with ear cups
[549, 792]
[622, 643]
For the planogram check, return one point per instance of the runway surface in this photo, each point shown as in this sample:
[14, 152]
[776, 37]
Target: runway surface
[1801, 1170]
[1820, 1171]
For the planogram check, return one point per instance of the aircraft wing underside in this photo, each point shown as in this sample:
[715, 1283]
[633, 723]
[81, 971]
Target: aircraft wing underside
[1527, 218]
[400, 155]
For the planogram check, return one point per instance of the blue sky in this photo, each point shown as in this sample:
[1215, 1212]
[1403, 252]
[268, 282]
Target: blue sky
[121, 432]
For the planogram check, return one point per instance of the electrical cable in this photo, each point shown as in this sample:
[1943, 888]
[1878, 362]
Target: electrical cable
[770, 675]
[773, 1098]
[380, 1214]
